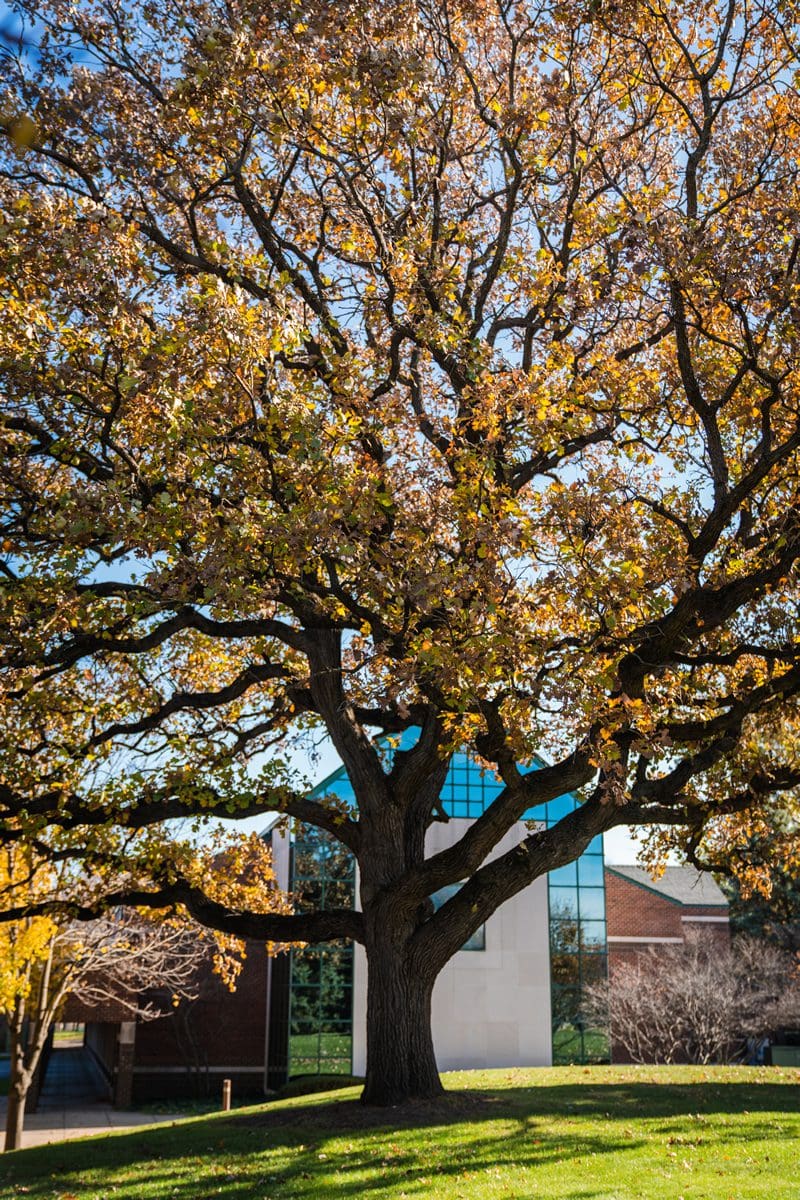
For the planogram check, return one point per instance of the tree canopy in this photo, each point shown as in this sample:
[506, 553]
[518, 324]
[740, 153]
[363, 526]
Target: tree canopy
[421, 366]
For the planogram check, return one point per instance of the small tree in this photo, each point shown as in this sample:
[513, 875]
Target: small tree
[699, 1002]
[146, 962]
[143, 964]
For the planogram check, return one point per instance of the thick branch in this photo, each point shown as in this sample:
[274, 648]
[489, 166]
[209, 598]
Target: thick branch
[270, 927]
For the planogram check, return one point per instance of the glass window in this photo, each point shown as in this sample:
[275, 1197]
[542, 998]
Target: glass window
[304, 1066]
[336, 1066]
[577, 945]
[593, 933]
[564, 937]
[304, 1039]
[320, 991]
[565, 969]
[562, 876]
[305, 1007]
[593, 967]
[590, 870]
[477, 940]
[564, 903]
[567, 1046]
[566, 1006]
[558, 808]
[306, 968]
[592, 902]
[596, 1048]
[335, 1043]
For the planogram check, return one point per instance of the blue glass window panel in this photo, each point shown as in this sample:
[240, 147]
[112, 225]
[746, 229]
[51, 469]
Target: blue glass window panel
[595, 845]
[457, 806]
[558, 808]
[564, 939]
[592, 903]
[564, 876]
[343, 788]
[590, 870]
[594, 933]
[467, 791]
[564, 903]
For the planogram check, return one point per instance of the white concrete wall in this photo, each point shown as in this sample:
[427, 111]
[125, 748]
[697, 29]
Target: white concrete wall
[281, 851]
[491, 1008]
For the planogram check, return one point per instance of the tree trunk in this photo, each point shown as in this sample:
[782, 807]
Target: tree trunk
[401, 1064]
[15, 1116]
[19, 1078]
[27, 1042]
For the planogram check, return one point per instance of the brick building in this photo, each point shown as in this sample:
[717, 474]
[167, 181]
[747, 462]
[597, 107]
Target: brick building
[642, 911]
[187, 1053]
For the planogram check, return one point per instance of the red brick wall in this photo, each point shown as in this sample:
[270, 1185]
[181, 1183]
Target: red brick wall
[636, 912]
[631, 911]
[696, 910]
[220, 1029]
[108, 1011]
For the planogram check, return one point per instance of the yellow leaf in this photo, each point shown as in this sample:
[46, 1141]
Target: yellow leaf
[23, 131]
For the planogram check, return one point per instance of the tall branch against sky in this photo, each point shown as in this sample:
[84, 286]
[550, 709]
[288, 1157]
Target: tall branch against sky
[412, 370]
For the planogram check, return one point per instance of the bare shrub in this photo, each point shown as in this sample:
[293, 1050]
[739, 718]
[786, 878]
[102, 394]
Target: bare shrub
[700, 1002]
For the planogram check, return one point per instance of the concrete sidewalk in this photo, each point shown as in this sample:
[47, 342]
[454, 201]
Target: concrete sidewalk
[72, 1104]
[63, 1124]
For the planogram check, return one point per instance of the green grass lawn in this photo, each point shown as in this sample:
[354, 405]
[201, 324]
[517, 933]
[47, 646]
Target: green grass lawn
[570, 1045]
[598, 1133]
[68, 1037]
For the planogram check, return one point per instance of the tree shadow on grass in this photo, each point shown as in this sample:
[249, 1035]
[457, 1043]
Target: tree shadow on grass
[339, 1149]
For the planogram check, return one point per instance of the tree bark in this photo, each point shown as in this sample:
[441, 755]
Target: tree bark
[27, 1042]
[401, 1064]
[15, 1116]
[18, 1083]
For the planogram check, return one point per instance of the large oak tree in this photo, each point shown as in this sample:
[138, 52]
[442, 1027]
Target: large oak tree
[404, 366]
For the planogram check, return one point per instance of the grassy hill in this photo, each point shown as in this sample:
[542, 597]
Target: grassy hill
[599, 1133]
